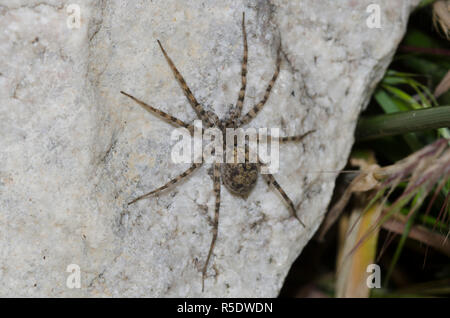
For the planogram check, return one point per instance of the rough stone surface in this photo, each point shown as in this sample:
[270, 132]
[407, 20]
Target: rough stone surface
[73, 151]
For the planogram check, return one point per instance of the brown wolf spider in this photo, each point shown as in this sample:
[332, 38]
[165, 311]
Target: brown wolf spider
[239, 178]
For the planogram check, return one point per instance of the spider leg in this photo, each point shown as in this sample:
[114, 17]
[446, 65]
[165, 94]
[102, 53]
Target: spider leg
[158, 112]
[201, 112]
[295, 137]
[216, 220]
[240, 101]
[271, 180]
[257, 108]
[289, 138]
[168, 184]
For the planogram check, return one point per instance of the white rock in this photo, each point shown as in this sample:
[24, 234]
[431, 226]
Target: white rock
[74, 151]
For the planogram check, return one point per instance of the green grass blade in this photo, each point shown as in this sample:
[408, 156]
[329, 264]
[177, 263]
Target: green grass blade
[402, 122]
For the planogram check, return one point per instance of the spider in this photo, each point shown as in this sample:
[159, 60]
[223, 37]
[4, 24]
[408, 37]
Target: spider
[238, 178]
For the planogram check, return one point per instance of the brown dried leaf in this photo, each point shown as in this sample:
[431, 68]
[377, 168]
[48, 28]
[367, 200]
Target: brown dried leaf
[419, 233]
[443, 86]
[441, 16]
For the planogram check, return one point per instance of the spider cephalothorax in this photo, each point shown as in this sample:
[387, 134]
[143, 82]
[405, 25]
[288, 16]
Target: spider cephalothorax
[239, 178]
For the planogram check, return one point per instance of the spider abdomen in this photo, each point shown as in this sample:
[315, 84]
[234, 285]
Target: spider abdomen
[239, 178]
